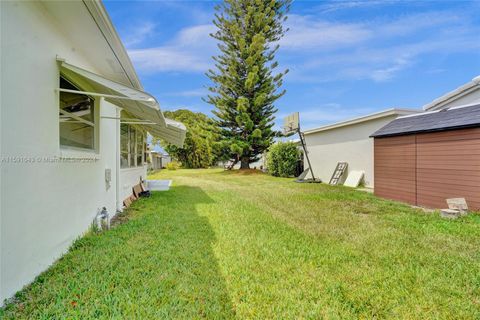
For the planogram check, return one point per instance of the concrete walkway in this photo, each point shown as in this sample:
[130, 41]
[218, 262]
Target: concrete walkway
[159, 185]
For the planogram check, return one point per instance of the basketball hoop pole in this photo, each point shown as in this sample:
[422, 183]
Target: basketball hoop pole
[304, 146]
[291, 124]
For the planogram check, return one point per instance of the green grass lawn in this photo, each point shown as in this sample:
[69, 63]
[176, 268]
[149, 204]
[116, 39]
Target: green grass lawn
[236, 245]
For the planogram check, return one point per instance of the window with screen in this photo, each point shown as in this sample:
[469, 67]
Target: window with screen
[132, 141]
[77, 118]
[124, 151]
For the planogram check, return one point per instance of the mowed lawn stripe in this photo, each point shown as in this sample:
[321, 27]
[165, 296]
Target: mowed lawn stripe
[235, 245]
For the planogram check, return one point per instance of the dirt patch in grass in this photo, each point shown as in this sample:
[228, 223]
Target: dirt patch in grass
[122, 217]
[244, 172]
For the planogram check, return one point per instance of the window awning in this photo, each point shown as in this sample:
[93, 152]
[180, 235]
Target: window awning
[139, 104]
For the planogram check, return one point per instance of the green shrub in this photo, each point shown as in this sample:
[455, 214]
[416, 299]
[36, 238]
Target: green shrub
[173, 165]
[282, 159]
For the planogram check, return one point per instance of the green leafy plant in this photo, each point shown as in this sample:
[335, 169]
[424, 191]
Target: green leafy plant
[174, 165]
[282, 159]
[200, 149]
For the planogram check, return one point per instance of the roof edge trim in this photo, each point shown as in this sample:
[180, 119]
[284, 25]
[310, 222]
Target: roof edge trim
[102, 19]
[369, 117]
[406, 133]
[453, 95]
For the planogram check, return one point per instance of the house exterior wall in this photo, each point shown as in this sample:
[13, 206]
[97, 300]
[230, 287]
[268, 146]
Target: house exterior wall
[349, 143]
[166, 159]
[155, 161]
[130, 177]
[428, 168]
[469, 98]
[45, 205]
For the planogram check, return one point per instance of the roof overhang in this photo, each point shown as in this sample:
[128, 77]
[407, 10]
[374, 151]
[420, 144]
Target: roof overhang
[373, 116]
[96, 39]
[461, 117]
[104, 23]
[453, 95]
[139, 104]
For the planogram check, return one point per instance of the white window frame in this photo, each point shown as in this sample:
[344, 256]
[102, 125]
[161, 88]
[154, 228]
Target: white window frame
[76, 152]
[135, 147]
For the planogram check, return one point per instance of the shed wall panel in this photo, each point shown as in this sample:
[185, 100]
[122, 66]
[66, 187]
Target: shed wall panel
[426, 169]
[394, 167]
[448, 166]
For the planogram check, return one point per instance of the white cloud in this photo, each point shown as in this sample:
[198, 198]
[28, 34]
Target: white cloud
[377, 50]
[388, 73]
[320, 50]
[168, 58]
[328, 113]
[306, 32]
[139, 34]
[198, 35]
[200, 92]
[189, 51]
[345, 5]
[417, 22]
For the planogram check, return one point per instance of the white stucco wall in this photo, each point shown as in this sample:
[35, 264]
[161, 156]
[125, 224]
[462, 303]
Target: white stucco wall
[130, 177]
[344, 144]
[469, 98]
[44, 205]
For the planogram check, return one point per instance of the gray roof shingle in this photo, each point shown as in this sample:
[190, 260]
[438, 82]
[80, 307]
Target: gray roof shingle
[454, 118]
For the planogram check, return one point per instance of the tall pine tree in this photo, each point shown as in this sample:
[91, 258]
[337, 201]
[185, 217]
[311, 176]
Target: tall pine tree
[245, 85]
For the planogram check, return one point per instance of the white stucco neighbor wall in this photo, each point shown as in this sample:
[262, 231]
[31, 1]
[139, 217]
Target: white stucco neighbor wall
[469, 93]
[349, 143]
[130, 177]
[44, 205]
[470, 98]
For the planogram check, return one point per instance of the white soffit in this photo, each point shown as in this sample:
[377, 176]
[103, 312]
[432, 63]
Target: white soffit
[138, 103]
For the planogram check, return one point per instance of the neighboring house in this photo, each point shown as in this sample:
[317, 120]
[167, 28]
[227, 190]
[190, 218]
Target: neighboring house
[166, 159]
[74, 119]
[347, 141]
[155, 162]
[426, 158]
[158, 160]
[469, 93]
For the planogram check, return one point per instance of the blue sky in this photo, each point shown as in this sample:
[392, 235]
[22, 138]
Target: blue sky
[346, 58]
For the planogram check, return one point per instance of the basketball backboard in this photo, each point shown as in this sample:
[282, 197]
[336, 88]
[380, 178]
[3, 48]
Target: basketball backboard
[291, 123]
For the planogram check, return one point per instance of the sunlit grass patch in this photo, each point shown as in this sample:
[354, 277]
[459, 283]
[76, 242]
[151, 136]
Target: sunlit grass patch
[229, 245]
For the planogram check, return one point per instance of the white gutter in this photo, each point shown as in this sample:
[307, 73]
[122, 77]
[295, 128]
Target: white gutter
[454, 95]
[104, 95]
[373, 116]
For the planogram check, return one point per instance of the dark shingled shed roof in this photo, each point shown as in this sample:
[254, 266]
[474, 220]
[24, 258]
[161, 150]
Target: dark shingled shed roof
[449, 119]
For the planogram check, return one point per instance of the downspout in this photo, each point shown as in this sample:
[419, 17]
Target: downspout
[117, 162]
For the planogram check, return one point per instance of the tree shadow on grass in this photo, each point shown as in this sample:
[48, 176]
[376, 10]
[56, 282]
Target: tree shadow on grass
[160, 264]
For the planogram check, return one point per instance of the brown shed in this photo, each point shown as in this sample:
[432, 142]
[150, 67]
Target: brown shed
[426, 158]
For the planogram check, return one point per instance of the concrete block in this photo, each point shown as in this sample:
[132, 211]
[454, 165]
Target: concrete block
[450, 213]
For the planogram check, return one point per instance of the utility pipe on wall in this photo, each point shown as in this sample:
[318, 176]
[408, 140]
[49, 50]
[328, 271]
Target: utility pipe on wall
[119, 203]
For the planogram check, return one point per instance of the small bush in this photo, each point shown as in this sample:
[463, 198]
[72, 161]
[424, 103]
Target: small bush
[282, 159]
[173, 165]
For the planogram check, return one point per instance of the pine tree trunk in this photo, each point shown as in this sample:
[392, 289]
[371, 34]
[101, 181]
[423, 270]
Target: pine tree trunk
[245, 164]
